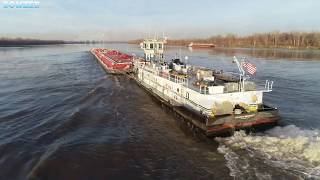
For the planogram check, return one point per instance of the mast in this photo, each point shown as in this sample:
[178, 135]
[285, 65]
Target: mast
[242, 72]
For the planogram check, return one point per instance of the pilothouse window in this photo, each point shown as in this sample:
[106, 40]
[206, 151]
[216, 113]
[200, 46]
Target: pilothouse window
[160, 46]
[151, 46]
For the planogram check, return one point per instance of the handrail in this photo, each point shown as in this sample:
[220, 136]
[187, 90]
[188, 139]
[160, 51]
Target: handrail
[268, 85]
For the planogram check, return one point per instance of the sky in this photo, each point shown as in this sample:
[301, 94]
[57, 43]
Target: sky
[131, 19]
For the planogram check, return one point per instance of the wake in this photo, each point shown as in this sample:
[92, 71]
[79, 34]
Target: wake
[289, 148]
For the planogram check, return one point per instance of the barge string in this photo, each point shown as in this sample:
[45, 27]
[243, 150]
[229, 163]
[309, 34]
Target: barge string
[113, 61]
[210, 100]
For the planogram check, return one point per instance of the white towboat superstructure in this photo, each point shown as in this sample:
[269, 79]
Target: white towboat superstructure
[221, 102]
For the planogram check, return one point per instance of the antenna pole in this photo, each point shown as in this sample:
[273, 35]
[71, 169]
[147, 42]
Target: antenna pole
[242, 72]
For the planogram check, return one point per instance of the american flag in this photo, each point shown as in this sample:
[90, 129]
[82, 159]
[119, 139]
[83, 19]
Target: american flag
[250, 68]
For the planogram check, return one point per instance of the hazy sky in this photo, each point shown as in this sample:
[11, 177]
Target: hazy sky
[130, 19]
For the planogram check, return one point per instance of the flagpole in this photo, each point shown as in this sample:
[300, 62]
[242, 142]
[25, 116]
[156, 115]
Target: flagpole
[242, 73]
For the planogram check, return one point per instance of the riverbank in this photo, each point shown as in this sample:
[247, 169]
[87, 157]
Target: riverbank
[287, 40]
[187, 42]
[13, 42]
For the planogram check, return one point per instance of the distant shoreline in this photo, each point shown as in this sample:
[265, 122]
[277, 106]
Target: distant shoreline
[18, 42]
[248, 47]
[271, 40]
[286, 40]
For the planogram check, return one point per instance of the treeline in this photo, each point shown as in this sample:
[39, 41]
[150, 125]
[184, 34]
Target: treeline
[266, 40]
[272, 39]
[27, 42]
[22, 42]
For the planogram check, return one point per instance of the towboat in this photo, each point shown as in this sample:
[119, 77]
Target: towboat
[201, 45]
[208, 100]
[113, 61]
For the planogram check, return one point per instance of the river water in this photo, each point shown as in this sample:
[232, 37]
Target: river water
[63, 117]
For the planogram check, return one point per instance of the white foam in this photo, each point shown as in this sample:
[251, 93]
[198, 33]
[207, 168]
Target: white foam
[233, 160]
[292, 131]
[289, 147]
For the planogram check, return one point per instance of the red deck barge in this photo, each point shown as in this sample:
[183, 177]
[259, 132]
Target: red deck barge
[113, 61]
